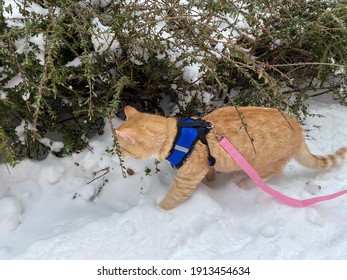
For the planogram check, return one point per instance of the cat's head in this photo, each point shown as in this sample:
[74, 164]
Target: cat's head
[140, 136]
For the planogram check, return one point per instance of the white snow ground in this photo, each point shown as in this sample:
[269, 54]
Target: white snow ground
[39, 219]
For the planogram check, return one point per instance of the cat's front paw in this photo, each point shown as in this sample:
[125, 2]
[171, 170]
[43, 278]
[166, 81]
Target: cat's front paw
[166, 206]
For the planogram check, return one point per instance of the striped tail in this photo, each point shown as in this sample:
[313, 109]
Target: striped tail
[306, 158]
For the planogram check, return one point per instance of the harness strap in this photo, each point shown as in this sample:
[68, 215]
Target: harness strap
[189, 131]
[203, 127]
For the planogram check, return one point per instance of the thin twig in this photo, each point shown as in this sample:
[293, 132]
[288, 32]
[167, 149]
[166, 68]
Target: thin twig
[244, 124]
[107, 170]
[309, 63]
[116, 144]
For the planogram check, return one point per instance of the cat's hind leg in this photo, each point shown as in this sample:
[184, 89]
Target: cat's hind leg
[211, 174]
[243, 181]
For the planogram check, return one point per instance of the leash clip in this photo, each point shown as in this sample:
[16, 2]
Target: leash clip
[219, 136]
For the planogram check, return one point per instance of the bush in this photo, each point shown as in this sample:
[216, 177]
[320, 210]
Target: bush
[65, 66]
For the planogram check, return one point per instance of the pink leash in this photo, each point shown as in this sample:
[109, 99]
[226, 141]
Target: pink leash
[253, 174]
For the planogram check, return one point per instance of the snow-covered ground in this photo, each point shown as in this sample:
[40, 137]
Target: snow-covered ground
[46, 212]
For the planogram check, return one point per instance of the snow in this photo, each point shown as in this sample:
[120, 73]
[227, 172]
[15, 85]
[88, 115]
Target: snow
[192, 73]
[52, 209]
[15, 12]
[74, 63]
[39, 41]
[16, 80]
[10, 213]
[20, 130]
[101, 3]
[55, 146]
[103, 39]
[81, 207]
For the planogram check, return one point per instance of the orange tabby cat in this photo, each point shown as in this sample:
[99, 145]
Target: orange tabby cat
[275, 141]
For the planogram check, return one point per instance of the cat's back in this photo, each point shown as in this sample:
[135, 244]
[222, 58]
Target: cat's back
[251, 117]
[262, 135]
[249, 111]
[261, 124]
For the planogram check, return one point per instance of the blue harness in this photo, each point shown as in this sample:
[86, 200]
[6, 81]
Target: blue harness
[189, 131]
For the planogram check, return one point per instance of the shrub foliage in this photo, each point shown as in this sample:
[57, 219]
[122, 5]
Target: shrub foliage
[65, 66]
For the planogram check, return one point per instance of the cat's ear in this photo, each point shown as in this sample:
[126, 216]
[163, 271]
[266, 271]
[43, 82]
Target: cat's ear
[126, 135]
[129, 111]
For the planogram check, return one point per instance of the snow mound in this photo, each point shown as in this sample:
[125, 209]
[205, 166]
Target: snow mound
[10, 214]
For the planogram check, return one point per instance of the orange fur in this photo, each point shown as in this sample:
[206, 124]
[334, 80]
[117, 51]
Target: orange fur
[275, 140]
